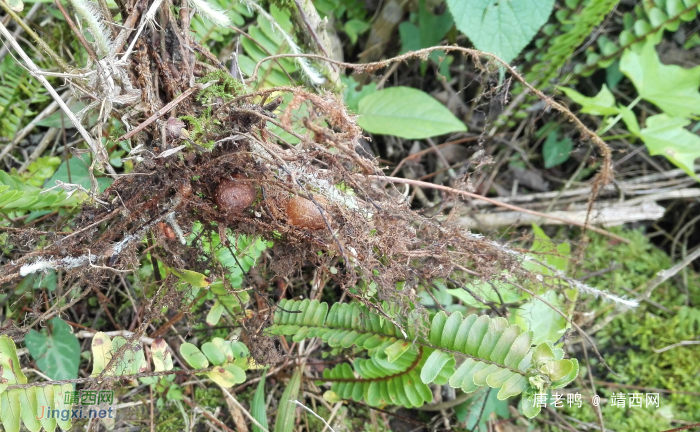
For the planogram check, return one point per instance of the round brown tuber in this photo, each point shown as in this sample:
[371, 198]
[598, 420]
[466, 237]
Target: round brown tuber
[234, 196]
[303, 213]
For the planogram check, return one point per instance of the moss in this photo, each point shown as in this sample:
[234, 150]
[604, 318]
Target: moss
[227, 87]
[628, 342]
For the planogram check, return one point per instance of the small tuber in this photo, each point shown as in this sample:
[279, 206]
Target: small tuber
[234, 196]
[303, 213]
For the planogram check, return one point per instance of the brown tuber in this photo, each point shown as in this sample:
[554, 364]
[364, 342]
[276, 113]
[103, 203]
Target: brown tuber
[234, 196]
[303, 213]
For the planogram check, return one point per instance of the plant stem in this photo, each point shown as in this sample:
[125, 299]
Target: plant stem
[43, 45]
[619, 116]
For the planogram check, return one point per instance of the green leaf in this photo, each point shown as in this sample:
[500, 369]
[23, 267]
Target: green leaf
[434, 365]
[515, 385]
[528, 405]
[542, 320]
[56, 350]
[10, 411]
[557, 369]
[16, 5]
[215, 312]
[257, 407]
[397, 349]
[193, 356]
[666, 136]
[498, 27]
[193, 278]
[79, 174]
[286, 414]
[101, 352]
[354, 92]
[60, 404]
[601, 104]
[407, 113]
[162, 360]
[555, 151]
[45, 398]
[673, 88]
[227, 376]
[215, 355]
[9, 363]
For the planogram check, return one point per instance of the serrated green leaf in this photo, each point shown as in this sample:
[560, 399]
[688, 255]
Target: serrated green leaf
[543, 353]
[397, 349]
[562, 382]
[434, 365]
[45, 401]
[557, 369]
[407, 113]
[515, 385]
[502, 28]
[29, 408]
[60, 404]
[528, 405]
[56, 350]
[9, 362]
[672, 88]
[667, 136]
[10, 415]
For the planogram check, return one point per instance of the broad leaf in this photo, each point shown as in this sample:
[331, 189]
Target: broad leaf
[56, 350]
[499, 27]
[673, 88]
[556, 151]
[193, 356]
[601, 104]
[666, 136]
[407, 113]
[541, 319]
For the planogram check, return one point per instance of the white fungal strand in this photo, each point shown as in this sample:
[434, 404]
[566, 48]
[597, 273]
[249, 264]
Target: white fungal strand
[211, 12]
[88, 11]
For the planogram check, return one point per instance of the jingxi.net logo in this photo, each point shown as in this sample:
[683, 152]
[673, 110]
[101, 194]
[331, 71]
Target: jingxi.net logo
[85, 404]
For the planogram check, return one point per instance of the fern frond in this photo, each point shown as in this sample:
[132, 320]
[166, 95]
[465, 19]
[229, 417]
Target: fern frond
[648, 21]
[494, 353]
[311, 73]
[18, 196]
[21, 405]
[563, 46]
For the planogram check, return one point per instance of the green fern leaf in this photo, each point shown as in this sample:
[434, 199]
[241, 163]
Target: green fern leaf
[493, 353]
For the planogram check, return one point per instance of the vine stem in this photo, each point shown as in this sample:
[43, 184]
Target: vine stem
[497, 203]
[603, 176]
[112, 378]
